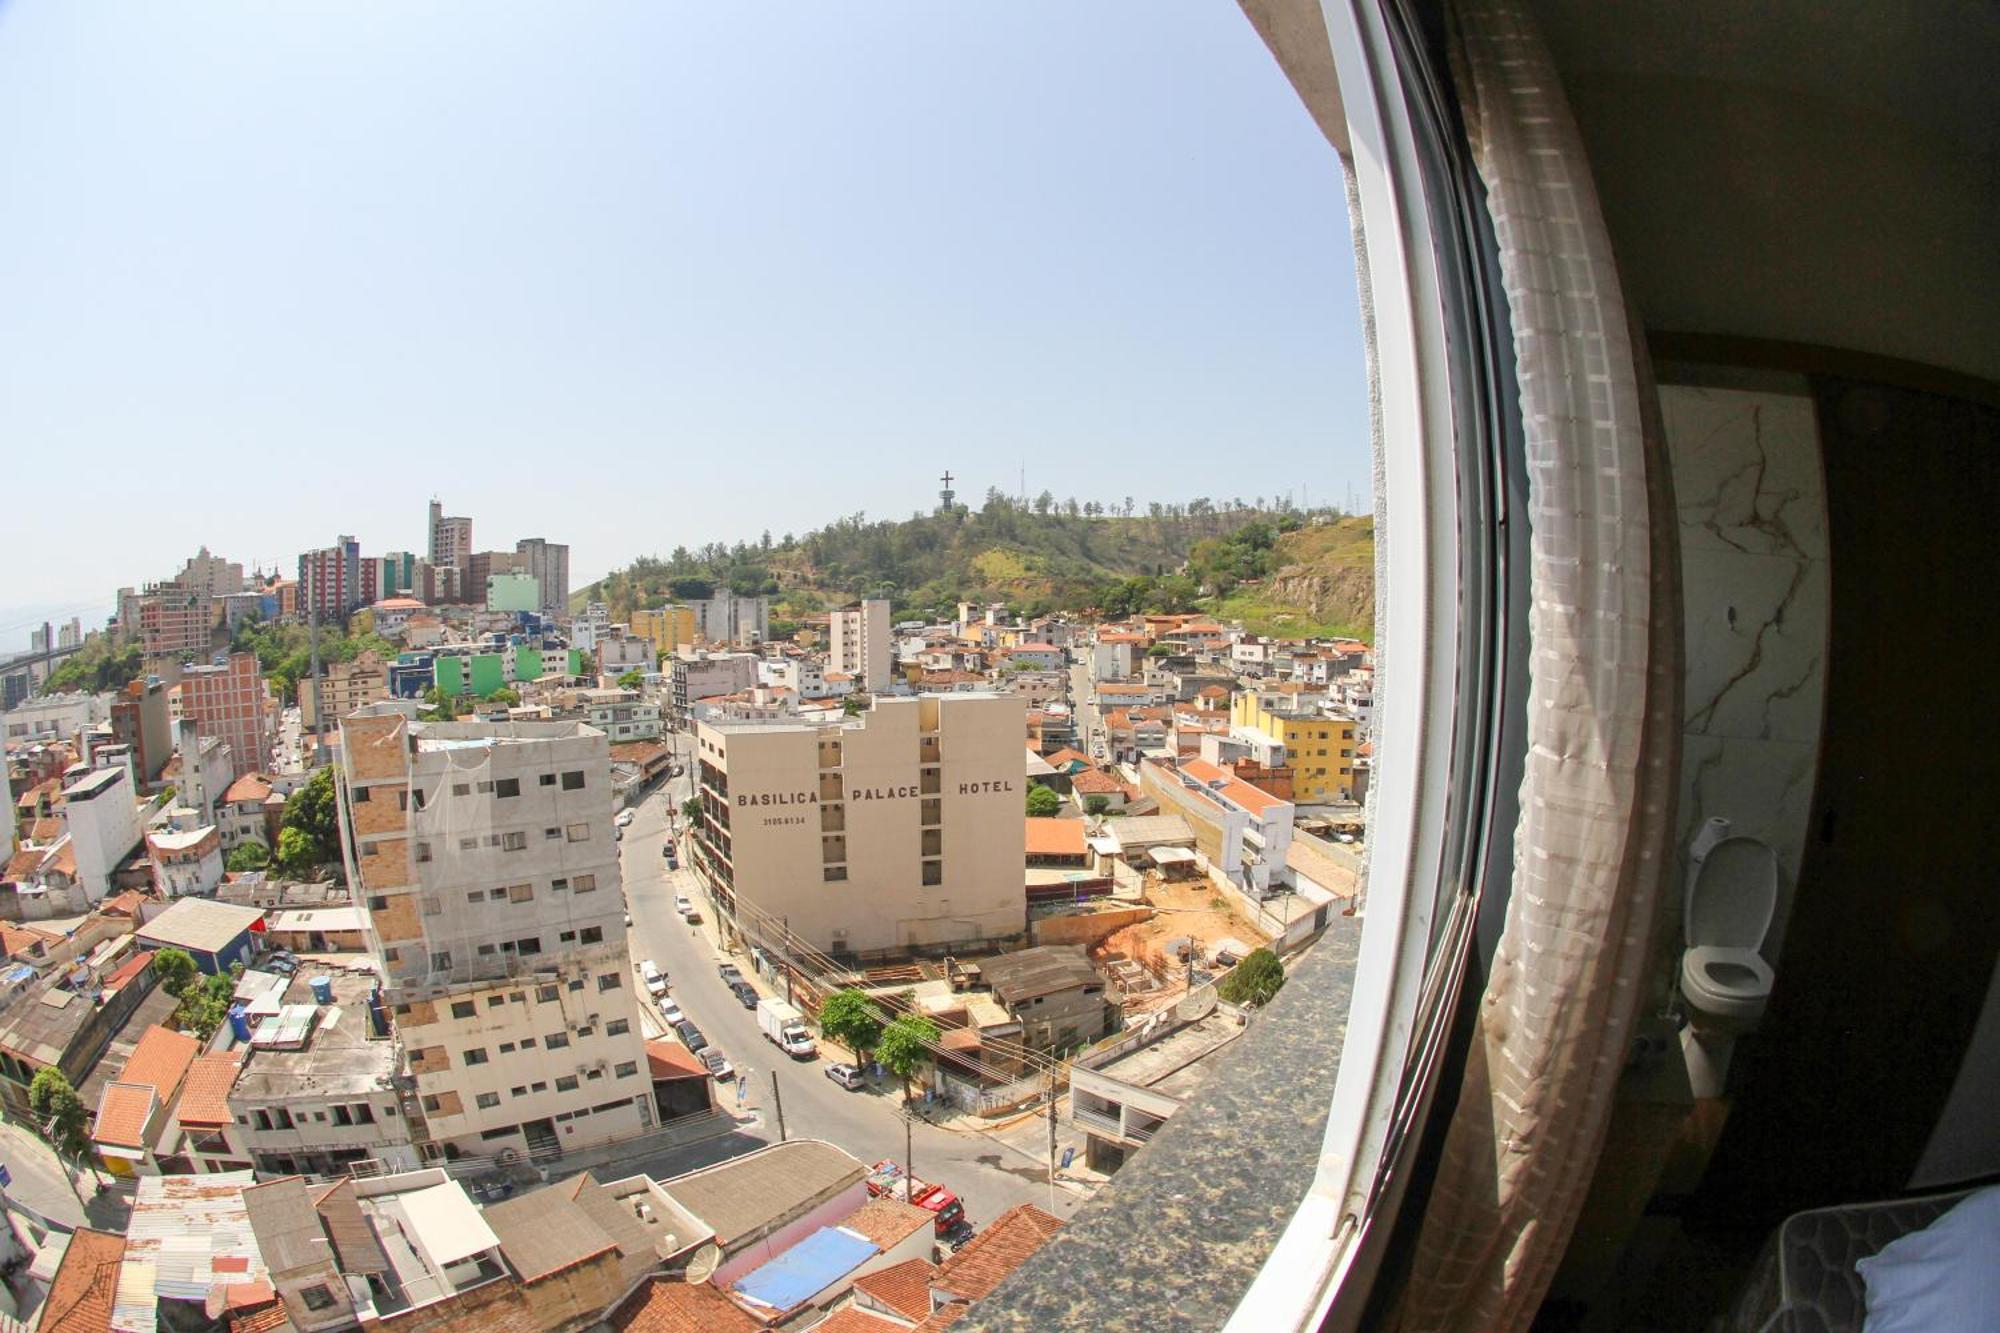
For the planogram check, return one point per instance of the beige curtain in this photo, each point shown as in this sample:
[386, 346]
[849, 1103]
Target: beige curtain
[1567, 980]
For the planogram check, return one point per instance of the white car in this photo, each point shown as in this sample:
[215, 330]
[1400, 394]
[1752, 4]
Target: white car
[681, 904]
[656, 980]
[671, 1011]
[625, 817]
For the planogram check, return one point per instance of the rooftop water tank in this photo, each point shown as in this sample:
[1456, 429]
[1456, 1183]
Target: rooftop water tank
[322, 989]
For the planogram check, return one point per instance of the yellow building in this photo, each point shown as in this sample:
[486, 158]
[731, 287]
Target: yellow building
[665, 627]
[1319, 749]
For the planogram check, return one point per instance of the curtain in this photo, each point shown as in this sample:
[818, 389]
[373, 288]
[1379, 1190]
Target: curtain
[1556, 1018]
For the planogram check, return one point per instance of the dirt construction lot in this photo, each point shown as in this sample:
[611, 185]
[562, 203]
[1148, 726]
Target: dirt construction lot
[1194, 908]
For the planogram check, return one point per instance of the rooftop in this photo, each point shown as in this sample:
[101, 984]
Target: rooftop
[752, 1194]
[545, 1232]
[199, 924]
[336, 1054]
[188, 1236]
[205, 1095]
[904, 1288]
[798, 1274]
[1171, 1063]
[888, 1222]
[669, 1305]
[1055, 837]
[1005, 1244]
[80, 1299]
[1042, 970]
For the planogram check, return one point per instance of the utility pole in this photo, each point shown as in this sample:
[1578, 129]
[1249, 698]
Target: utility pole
[778, 1102]
[1052, 1141]
[909, 1156]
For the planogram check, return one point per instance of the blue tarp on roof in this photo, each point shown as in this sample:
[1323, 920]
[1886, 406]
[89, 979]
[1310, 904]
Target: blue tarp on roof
[808, 1268]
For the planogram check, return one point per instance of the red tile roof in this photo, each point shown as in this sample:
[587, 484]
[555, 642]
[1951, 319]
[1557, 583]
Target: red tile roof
[1002, 1247]
[888, 1222]
[122, 1113]
[1094, 783]
[205, 1095]
[86, 1284]
[941, 1318]
[249, 787]
[161, 1060]
[1055, 837]
[853, 1319]
[904, 1288]
[670, 1059]
[669, 1305]
[129, 969]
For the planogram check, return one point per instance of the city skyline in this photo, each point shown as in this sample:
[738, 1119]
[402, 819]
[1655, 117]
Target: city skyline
[267, 263]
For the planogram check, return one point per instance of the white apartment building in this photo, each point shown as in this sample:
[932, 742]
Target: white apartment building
[186, 856]
[590, 625]
[101, 811]
[729, 619]
[54, 717]
[898, 829]
[489, 872]
[622, 715]
[805, 677]
[862, 645]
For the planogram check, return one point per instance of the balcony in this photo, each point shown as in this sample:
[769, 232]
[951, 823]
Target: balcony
[832, 819]
[829, 786]
[928, 751]
[1111, 1125]
[933, 842]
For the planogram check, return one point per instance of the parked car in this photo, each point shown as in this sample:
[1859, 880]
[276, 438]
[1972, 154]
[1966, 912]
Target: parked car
[628, 921]
[656, 980]
[682, 905]
[718, 1064]
[730, 973]
[668, 850]
[625, 817]
[690, 1035]
[847, 1076]
[673, 863]
[746, 994]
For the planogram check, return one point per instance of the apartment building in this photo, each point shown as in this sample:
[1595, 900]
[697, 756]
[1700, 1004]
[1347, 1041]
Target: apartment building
[489, 874]
[1318, 748]
[1242, 832]
[706, 675]
[450, 538]
[344, 687]
[211, 574]
[335, 581]
[622, 715]
[895, 830]
[512, 591]
[101, 813]
[861, 644]
[54, 717]
[229, 701]
[666, 628]
[175, 621]
[729, 619]
[548, 563]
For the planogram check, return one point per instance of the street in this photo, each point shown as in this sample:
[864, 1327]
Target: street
[990, 1172]
[1083, 710]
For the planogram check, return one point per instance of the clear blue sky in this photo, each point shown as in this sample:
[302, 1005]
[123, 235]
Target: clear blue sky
[636, 275]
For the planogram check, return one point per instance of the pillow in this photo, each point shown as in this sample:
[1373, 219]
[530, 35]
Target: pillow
[1945, 1277]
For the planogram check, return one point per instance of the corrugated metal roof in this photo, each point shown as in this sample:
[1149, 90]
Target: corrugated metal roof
[187, 1236]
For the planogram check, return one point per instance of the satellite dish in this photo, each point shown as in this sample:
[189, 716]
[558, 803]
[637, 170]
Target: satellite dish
[706, 1260]
[1196, 1006]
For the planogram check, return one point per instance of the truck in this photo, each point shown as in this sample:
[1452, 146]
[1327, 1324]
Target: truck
[888, 1177]
[786, 1028]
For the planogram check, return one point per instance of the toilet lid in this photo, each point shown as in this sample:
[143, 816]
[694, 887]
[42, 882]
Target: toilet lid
[1729, 973]
[1734, 894]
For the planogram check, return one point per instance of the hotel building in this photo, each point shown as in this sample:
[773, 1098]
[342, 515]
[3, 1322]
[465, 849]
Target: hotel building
[896, 830]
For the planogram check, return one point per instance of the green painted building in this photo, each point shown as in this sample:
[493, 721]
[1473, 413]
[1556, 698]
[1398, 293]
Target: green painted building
[479, 674]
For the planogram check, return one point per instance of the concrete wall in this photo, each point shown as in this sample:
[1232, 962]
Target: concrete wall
[1085, 927]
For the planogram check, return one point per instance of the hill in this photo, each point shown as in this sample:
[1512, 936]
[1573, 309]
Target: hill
[1281, 570]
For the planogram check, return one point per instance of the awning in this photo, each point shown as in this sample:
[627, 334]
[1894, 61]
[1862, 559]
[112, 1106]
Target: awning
[1169, 856]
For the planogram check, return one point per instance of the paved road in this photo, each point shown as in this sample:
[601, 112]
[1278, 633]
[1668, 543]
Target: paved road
[1088, 718]
[990, 1173]
[40, 1188]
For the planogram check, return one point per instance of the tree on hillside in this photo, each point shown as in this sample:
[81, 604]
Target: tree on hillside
[1254, 980]
[58, 1111]
[905, 1047]
[1043, 802]
[850, 1018]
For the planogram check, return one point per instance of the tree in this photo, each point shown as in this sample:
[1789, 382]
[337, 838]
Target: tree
[1096, 805]
[58, 1111]
[504, 698]
[850, 1018]
[632, 679]
[311, 813]
[905, 1047]
[297, 857]
[1254, 980]
[854, 705]
[203, 1008]
[1043, 802]
[174, 969]
[247, 856]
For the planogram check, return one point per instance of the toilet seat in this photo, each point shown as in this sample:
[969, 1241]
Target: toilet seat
[1726, 981]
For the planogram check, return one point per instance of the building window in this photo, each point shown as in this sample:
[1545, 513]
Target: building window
[423, 852]
[547, 994]
[594, 1074]
[584, 1032]
[579, 833]
[607, 981]
[627, 1068]
[548, 779]
[506, 787]
[468, 844]
[377, 903]
[528, 944]
[431, 905]
[360, 795]
[567, 1083]
[573, 780]
[538, 1087]
[461, 789]
[933, 872]
[576, 983]
[584, 883]
[506, 1048]
[517, 1092]
[527, 1043]
[555, 1041]
[551, 834]
[485, 788]
[520, 893]
[475, 1055]
[487, 951]
[558, 885]
[566, 937]
[486, 1101]
[431, 1105]
[441, 961]
[833, 874]
[593, 935]
[514, 842]
[463, 1009]
[495, 1001]
[617, 1027]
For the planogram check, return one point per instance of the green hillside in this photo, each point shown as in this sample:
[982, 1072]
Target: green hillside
[1292, 572]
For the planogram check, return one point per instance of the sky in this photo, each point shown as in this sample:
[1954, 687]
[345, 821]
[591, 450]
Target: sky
[643, 275]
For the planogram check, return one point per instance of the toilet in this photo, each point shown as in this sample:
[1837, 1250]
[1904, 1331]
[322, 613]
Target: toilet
[1732, 893]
